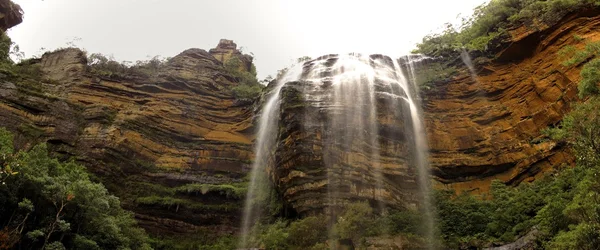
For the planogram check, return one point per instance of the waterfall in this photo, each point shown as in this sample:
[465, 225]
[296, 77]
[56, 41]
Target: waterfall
[356, 93]
[265, 139]
[421, 152]
[466, 58]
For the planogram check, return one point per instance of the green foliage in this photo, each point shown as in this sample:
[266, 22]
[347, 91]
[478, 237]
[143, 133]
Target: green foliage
[308, 231]
[576, 57]
[578, 38]
[564, 206]
[590, 78]
[303, 59]
[236, 190]
[223, 243]
[435, 72]
[275, 236]
[580, 129]
[249, 87]
[353, 222]
[247, 91]
[6, 144]
[490, 22]
[56, 205]
[400, 222]
[25, 69]
[201, 239]
[107, 66]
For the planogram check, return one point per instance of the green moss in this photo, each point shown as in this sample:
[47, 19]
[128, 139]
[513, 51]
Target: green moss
[235, 190]
[433, 73]
[203, 239]
[578, 38]
[30, 130]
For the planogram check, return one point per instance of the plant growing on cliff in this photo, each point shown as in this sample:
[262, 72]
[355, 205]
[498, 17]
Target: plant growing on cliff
[490, 23]
[435, 72]
[249, 87]
[562, 206]
[53, 204]
[107, 66]
[590, 78]
[590, 73]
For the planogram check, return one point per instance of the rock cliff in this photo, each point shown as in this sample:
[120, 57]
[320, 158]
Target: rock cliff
[145, 136]
[151, 138]
[11, 14]
[488, 127]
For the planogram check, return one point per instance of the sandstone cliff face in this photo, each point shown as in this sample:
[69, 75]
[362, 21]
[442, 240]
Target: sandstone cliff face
[319, 164]
[488, 127]
[479, 128]
[227, 49]
[144, 136]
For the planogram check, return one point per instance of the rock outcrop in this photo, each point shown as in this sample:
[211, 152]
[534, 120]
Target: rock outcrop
[144, 136]
[11, 14]
[227, 49]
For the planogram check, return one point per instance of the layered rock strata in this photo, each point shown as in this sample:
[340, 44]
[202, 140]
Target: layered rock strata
[489, 126]
[145, 135]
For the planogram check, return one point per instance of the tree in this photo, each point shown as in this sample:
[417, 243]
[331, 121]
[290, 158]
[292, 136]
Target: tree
[54, 205]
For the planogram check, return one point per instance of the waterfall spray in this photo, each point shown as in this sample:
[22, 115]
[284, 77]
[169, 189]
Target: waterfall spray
[355, 91]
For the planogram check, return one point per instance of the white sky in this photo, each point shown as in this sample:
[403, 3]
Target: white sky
[276, 31]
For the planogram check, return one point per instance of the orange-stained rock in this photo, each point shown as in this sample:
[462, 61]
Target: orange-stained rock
[226, 49]
[142, 135]
[489, 128]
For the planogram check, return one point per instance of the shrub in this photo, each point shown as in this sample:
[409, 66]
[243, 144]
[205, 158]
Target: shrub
[48, 198]
[308, 231]
[353, 223]
[247, 91]
[107, 66]
[275, 236]
[590, 78]
[249, 87]
[490, 22]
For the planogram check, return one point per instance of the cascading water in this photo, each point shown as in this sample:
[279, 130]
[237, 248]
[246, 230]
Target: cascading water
[466, 58]
[360, 99]
[267, 127]
[421, 152]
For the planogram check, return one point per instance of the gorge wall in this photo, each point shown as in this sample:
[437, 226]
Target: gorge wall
[143, 136]
[488, 127]
[146, 135]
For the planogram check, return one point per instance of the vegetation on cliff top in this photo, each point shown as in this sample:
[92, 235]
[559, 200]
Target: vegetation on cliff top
[490, 23]
[249, 87]
[50, 204]
[107, 66]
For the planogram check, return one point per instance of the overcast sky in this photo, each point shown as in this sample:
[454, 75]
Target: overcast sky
[276, 31]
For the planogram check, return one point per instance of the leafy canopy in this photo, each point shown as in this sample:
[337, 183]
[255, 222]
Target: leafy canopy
[55, 205]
